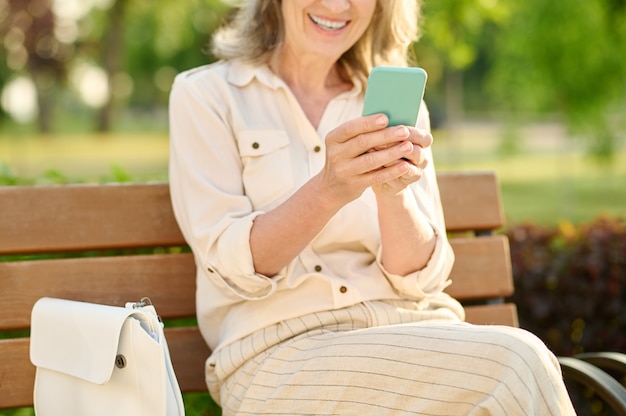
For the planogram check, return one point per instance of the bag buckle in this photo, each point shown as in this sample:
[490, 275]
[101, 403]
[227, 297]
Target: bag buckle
[145, 301]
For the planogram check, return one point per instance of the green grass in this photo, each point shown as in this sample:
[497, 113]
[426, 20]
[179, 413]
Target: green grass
[26, 411]
[196, 404]
[85, 157]
[545, 179]
[578, 200]
[550, 189]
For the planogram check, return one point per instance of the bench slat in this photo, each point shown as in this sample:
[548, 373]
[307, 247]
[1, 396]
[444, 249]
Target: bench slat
[471, 201]
[86, 217]
[482, 268]
[189, 353]
[502, 314]
[167, 279]
[17, 374]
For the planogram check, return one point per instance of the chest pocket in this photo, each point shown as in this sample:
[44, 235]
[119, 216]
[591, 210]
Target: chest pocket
[267, 166]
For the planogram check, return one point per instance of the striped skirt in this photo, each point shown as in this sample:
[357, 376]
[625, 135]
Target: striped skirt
[387, 358]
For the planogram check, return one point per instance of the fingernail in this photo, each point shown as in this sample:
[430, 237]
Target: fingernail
[381, 120]
[401, 132]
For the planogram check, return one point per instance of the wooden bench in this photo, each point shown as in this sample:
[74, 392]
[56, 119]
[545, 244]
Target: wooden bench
[120, 242]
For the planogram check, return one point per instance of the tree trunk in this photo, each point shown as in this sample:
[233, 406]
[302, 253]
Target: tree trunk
[454, 98]
[45, 99]
[113, 51]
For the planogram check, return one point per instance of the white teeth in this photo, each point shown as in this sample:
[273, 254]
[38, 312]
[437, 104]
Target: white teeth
[327, 24]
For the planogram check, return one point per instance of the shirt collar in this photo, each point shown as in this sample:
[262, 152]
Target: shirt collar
[242, 73]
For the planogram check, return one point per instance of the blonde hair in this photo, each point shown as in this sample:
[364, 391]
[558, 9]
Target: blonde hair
[256, 30]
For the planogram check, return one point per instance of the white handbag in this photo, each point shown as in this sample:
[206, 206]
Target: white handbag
[98, 360]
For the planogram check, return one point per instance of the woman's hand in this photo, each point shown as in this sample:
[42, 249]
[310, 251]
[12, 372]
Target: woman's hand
[415, 163]
[364, 153]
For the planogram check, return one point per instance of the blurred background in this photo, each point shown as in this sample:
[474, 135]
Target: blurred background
[534, 90]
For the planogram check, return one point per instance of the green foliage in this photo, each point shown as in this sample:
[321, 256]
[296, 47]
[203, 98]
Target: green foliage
[117, 174]
[120, 175]
[453, 28]
[570, 284]
[200, 404]
[196, 404]
[7, 177]
[161, 39]
[568, 57]
[454, 36]
[25, 411]
[49, 177]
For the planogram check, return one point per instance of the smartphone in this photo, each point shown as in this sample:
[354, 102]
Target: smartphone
[396, 92]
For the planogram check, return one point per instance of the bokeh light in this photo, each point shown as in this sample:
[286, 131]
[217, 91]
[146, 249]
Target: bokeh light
[19, 99]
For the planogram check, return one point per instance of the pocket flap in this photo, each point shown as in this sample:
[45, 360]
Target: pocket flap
[261, 142]
[76, 338]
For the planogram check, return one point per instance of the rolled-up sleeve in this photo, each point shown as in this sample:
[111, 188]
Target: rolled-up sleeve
[432, 279]
[208, 199]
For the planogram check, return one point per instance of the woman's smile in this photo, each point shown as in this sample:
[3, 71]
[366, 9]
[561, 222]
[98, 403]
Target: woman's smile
[324, 29]
[330, 25]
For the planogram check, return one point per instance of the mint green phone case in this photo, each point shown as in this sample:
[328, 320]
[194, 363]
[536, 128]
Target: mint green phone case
[396, 92]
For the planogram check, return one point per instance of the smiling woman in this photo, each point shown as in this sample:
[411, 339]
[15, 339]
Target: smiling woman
[319, 235]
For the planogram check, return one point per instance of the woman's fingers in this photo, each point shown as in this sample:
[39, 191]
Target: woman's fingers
[383, 157]
[421, 138]
[357, 127]
[363, 134]
[364, 152]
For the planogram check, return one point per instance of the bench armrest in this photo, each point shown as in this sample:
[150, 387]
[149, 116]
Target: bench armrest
[608, 361]
[606, 387]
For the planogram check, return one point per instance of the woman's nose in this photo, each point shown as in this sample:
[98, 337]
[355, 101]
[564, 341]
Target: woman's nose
[336, 6]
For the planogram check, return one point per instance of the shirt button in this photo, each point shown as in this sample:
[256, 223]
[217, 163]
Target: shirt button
[255, 145]
[317, 149]
[318, 268]
[343, 289]
[210, 270]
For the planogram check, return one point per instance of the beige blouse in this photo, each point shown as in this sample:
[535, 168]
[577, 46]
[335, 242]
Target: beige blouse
[240, 145]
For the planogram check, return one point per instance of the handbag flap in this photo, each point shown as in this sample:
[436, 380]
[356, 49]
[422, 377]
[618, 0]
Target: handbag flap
[76, 338]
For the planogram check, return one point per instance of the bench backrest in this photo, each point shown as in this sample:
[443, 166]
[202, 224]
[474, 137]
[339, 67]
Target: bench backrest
[115, 243]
